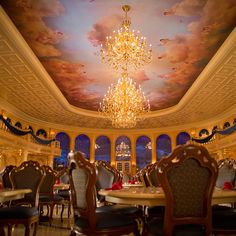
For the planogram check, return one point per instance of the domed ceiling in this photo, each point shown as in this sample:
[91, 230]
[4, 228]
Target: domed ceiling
[66, 37]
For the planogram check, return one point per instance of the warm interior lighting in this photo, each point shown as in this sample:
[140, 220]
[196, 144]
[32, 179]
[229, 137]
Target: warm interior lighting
[123, 150]
[124, 104]
[126, 49]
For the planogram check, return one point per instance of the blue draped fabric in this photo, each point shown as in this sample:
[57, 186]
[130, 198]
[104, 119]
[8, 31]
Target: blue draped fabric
[20, 132]
[206, 139]
[14, 129]
[42, 141]
[227, 131]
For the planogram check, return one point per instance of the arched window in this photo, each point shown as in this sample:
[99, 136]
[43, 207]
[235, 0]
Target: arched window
[203, 132]
[163, 146]
[103, 149]
[123, 148]
[143, 152]
[64, 140]
[182, 138]
[82, 144]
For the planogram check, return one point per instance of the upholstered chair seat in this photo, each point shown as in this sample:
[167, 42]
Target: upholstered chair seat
[132, 211]
[47, 197]
[106, 220]
[18, 212]
[19, 215]
[155, 227]
[224, 220]
[155, 211]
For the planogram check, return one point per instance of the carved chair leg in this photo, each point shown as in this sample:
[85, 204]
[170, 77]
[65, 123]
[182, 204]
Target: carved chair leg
[62, 210]
[35, 228]
[10, 228]
[27, 230]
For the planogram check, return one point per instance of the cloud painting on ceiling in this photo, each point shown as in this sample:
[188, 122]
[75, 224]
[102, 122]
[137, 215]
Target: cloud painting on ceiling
[66, 37]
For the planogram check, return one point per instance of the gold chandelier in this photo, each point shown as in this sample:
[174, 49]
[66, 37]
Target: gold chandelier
[124, 104]
[123, 150]
[125, 49]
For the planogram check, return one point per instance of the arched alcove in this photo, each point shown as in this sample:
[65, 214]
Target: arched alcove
[82, 144]
[123, 148]
[163, 146]
[182, 138]
[143, 152]
[103, 149]
[64, 140]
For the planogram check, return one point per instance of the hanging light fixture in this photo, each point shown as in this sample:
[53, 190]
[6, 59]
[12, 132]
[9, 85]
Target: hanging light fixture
[126, 49]
[123, 150]
[125, 104]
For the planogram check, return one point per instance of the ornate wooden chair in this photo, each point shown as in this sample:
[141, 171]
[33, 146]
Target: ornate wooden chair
[28, 175]
[188, 178]
[143, 175]
[106, 176]
[224, 217]
[151, 175]
[152, 178]
[227, 172]
[63, 177]
[6, 177]
[46, 193]
[86, 220]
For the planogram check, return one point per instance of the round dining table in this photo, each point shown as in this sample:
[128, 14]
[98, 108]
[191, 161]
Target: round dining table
[154, 196]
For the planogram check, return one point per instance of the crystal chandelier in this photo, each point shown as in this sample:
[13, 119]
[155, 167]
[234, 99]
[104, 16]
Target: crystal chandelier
[123, 150]
[124, 104]
[125, 49]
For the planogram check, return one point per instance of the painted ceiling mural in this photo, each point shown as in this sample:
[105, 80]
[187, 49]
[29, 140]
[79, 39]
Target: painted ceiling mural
[66, 37]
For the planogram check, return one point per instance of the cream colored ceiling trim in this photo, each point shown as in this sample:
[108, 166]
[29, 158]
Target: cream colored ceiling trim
[28, 91]
[218, 59]
[23, 49]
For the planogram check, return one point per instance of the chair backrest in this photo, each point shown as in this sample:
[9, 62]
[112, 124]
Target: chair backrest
[151, 175]
[46, 187]
[106, 175]
[227, 172]
[82, 181]
[143, 175]
[63, 176]
[188, 178]
[5, 176]
[28, 175]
